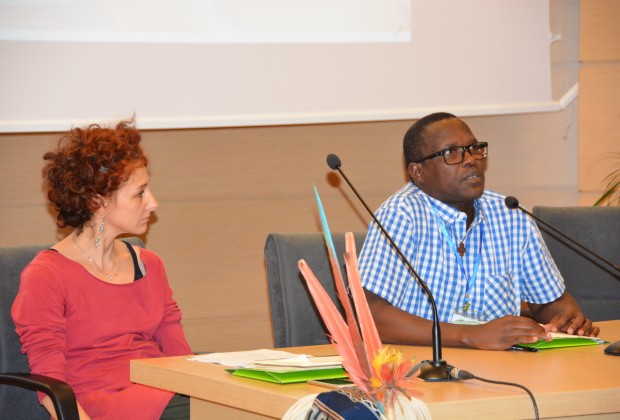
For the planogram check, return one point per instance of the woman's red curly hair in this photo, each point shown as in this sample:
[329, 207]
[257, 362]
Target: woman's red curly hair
[88, 166]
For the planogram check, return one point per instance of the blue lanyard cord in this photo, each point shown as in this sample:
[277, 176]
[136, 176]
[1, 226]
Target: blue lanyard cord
[470, 279]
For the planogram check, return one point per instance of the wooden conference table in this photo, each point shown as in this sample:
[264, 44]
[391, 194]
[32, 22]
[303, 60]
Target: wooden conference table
[568, 382]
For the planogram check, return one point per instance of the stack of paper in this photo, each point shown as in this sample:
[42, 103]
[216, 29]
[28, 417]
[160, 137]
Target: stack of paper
[564, 340]
[277, 366]
[241, 358]
[302, 361]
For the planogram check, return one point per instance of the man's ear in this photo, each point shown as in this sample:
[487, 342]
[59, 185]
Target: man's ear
[415, 172]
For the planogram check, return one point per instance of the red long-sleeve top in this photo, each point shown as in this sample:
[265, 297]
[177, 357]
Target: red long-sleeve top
[79, 329]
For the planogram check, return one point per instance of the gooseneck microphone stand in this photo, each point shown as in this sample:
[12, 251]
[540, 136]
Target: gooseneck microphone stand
[512, 203]
[430, 370]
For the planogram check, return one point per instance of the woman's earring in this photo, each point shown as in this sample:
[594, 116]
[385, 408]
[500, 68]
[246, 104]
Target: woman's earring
[98, 240]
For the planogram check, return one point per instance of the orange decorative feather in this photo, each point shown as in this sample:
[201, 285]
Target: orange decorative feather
[367, 323]
[338, 329]
[362, 356]
[389, 369]
[379, 371]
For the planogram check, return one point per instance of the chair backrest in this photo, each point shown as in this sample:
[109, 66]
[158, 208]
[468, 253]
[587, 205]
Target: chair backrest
[14, 401]
[18, 402]
[295, 319]
[595, 286]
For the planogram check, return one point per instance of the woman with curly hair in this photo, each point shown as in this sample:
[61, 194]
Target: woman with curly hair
[92, 302]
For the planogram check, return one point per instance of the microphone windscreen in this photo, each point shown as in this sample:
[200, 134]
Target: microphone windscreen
[511, 202]
[333, 161]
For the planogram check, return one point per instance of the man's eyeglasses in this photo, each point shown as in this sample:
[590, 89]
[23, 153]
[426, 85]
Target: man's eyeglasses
[456, 154]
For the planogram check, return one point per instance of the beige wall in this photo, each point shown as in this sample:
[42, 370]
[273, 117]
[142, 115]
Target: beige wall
[599, 80]
[222, 190]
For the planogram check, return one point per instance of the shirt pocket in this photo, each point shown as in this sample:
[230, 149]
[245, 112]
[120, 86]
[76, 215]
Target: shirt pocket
[501, 296]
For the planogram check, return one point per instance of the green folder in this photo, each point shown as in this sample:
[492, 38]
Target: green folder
[564, 340]
[291, 376]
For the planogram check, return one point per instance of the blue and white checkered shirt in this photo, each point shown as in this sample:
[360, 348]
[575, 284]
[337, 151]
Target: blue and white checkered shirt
[514, 261]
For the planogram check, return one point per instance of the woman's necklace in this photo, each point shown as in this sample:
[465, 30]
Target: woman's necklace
[111, 275]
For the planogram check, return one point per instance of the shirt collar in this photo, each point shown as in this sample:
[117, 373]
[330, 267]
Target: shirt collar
[450, 215]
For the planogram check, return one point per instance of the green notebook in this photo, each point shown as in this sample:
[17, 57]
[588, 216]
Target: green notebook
[564, 340]
[291, 376]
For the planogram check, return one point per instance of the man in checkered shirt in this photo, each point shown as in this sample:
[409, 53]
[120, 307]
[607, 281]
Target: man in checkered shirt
[479, 258]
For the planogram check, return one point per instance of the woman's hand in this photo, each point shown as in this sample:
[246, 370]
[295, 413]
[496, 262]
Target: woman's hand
[49, 406]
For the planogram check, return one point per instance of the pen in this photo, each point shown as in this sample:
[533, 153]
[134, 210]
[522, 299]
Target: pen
[519, 348]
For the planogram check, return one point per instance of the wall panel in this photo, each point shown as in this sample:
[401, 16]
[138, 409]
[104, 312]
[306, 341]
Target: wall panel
[599, 84]
[600, 32]
[221, 191]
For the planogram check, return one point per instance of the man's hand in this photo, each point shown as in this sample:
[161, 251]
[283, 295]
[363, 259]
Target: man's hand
[501, 333]
[397, 326]
[572, 323]
[564, 315]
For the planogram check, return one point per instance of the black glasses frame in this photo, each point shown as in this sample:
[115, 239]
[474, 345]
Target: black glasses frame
[481, 145]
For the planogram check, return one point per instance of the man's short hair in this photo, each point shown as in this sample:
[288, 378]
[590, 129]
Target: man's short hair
[414, 139]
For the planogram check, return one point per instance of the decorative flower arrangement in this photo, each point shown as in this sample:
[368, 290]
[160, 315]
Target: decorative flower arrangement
[390, 376]
[380, 372]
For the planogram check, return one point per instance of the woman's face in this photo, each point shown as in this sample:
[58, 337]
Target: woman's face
[130, 209]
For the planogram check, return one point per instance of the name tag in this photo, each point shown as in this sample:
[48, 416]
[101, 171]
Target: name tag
[460, 318]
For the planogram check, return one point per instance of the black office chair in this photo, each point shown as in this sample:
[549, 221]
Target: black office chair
[294, 317]
[595, 286]
[17, 399]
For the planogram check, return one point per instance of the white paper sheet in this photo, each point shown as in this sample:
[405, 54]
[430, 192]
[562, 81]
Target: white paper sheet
[242, 358]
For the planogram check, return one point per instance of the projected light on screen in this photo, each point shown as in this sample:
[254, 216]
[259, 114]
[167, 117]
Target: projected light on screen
[223, 63]
[217, 21]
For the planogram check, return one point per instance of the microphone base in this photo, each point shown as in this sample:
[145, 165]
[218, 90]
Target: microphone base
[432, 371]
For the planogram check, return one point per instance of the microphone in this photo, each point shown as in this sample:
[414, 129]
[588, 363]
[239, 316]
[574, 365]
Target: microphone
[512, 203]
[430, 370]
